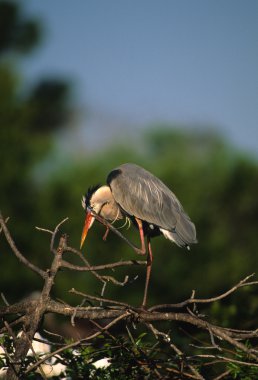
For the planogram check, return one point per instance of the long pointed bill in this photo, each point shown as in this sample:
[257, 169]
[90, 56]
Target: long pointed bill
[87, 224]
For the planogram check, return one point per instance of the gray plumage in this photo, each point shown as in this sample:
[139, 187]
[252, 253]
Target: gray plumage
[133, 191]
[142, 195]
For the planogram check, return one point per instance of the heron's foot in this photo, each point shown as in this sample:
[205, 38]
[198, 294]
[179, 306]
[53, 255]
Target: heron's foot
[143, 308]
[106, 234]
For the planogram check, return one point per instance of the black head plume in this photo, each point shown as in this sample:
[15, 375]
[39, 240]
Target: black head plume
[86, 199]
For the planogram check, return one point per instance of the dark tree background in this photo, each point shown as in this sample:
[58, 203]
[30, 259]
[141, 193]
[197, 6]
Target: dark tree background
[29, 119]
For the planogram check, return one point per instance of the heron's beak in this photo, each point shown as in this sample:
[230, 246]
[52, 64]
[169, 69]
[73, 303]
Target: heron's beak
[87, 225]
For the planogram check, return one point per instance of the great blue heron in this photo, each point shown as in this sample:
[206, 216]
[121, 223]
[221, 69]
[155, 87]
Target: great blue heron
[135, 193]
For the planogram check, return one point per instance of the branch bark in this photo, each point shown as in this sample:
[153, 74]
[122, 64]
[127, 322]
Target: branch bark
[17, 253]
[29, 313]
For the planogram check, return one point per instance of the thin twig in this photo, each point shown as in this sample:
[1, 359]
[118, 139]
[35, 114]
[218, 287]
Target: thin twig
[224, 359]
[117, 264]
[53, 334]
[222, 375]
[10, 360]
[102, 293]
[14, 323]
[86, 262]
[78, 342]
[116, 231]
[4, 299]
[6, 221]
[191, 300]
[35, 356]
[17, 253]
[167, 340]
[44, 230]
[52, 242]
[100, 299]
[10, 331]
[214, 344]
[75, 311]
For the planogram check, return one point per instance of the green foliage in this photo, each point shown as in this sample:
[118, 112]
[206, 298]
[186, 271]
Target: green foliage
[17, 34]
[127, 361]
[49, 106]
[240, 371]
[132, 358]
[24, 141]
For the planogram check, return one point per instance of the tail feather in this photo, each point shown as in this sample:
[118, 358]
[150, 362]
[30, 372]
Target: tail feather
[184, 232]
[173, 236]
[186, 229]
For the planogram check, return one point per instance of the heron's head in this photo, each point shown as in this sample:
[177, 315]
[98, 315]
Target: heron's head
[100, 200]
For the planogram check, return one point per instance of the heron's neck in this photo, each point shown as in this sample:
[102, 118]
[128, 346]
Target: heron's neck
[104, 201]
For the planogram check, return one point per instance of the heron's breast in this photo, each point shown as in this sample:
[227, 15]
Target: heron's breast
[111, 211]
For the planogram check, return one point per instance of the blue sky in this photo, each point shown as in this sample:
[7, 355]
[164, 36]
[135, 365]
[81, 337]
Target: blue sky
[139, 62]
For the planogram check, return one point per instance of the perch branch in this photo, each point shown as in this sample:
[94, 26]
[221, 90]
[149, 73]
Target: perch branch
[30, 312]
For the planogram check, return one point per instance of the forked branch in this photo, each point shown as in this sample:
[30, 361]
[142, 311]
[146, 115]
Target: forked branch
[28, 315]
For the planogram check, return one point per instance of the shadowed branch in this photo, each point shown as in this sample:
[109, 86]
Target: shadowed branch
[28, 316]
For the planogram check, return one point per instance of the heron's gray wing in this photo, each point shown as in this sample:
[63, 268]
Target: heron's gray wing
[144, 196]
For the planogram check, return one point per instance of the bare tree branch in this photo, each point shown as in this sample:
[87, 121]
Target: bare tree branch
[78, 342]
[193, 300]
[80, 268]
[116, 231]
[17, 253]
[52, 243]
[34, 317]
[29, 314]
[101, 299]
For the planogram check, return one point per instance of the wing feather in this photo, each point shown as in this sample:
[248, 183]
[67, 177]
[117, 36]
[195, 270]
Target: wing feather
[146, 197]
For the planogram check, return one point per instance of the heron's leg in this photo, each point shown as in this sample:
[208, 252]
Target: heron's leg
[141, 250]
[106, 234]
[148, 272]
